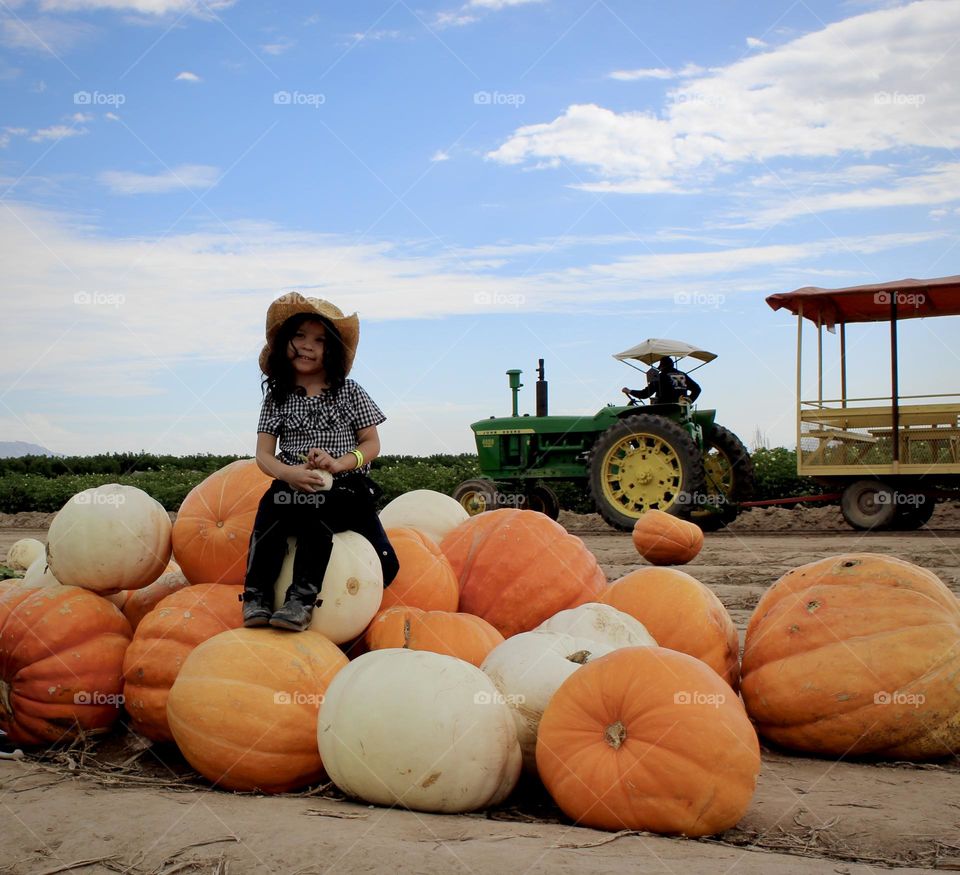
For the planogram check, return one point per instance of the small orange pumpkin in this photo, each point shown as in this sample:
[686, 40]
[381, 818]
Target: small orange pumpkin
[663, 539]
[162, 643]
[212, 533]
[648, 738]
[425, 579]
[518, 568]
[464, 636]
[61, 657]
[682, 614]
[856, 654]
[137, 603]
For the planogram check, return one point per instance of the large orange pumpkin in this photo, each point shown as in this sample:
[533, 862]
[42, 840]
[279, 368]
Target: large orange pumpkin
[663, 539]
[162, 643]
[517, 568]
[212, 532]
[61, 655]
[680, 613]
[425, 579]
[244, 708]
[137, 603]
[648, 738]
[465, 636]
[856, 654]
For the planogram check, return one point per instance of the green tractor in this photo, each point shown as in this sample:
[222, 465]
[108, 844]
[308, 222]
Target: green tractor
[632, 457]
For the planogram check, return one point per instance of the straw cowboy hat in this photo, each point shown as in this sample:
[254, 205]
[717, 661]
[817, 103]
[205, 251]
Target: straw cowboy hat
[293, 304]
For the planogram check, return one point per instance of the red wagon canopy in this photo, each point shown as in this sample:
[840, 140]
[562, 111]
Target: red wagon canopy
[908, 299]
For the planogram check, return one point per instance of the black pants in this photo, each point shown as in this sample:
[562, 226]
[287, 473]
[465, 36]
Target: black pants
[313, 518]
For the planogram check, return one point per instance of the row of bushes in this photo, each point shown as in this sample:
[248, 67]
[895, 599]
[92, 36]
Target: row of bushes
[43, 483]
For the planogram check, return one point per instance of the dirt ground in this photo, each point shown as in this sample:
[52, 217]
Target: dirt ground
[129, 808]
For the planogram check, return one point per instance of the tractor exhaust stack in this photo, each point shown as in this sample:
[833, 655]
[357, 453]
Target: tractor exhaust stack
[541, 390]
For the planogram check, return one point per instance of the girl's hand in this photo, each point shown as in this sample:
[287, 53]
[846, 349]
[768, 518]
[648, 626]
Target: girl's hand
[305, 479]
[318, 458]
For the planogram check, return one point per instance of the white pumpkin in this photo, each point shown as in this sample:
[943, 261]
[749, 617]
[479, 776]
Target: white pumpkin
[23, 552]
[352, 587]
[39, 574]
[432, 513]
[527, 670]
[417, 729]
[109, 538]
[600, 623]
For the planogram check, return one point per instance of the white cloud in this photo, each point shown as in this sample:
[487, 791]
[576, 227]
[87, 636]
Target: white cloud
[440, 155]
[80, 117]
[146, 7]
[643, 73]
[656, 73]
[838, 90]
[500, 4]
[56, 132]
[128, 309]
[453, 19]
[375, 35]
[941, 185]
[636, 149]
[279, 47]
[465, 15]
[186, 176]
[187, 76]
[754, 43]
[44, 34]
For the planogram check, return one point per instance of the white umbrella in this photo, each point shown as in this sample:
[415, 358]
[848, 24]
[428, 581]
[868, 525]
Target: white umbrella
[652, 350]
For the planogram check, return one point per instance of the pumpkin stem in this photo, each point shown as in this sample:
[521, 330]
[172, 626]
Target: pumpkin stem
[406, 632]
[580, 657]
[615, 735]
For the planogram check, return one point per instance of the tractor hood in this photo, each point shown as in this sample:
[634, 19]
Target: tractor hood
[652, 350]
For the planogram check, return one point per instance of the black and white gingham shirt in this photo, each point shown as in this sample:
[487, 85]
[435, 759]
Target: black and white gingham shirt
[328, 421]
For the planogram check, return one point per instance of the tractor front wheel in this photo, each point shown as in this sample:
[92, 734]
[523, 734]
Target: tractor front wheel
[642, 463]
[476, 496]
[729, 475]
[543, 499]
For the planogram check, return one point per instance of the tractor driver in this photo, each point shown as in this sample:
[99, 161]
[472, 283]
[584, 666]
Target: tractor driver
[667, 385]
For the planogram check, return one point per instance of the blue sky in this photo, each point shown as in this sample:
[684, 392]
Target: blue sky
[485, 183]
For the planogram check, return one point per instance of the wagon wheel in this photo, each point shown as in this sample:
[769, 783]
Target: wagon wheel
[543, 499]
[914, 512]
[729, 479]
[868, 504]
[476, 496]
[642, 463]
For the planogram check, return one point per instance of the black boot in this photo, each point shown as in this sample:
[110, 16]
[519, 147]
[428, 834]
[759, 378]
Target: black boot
[294, 615]
[255, 611]
[297, 610]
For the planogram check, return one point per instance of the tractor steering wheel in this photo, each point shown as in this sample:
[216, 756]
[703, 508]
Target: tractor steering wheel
[631, 400]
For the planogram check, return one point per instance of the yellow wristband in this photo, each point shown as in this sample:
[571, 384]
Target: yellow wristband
[359, 456]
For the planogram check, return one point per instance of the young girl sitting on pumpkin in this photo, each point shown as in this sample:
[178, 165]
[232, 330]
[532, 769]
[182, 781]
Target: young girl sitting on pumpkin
[326, 425]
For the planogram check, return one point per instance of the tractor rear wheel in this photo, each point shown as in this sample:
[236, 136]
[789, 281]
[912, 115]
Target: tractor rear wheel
[476, 496]
[642, 463]
[544, 499]
[729, 474]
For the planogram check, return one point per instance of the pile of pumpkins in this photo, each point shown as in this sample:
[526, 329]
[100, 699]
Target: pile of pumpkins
[499, 648]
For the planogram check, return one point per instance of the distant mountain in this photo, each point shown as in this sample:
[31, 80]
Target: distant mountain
[9, 449]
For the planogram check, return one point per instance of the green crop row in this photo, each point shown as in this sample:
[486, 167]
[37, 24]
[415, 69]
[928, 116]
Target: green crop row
[42, 483]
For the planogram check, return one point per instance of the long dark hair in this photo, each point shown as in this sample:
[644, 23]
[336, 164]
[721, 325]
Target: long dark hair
[281, 380]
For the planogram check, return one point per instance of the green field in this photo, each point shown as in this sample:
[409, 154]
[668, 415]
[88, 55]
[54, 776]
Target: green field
[46, 483]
